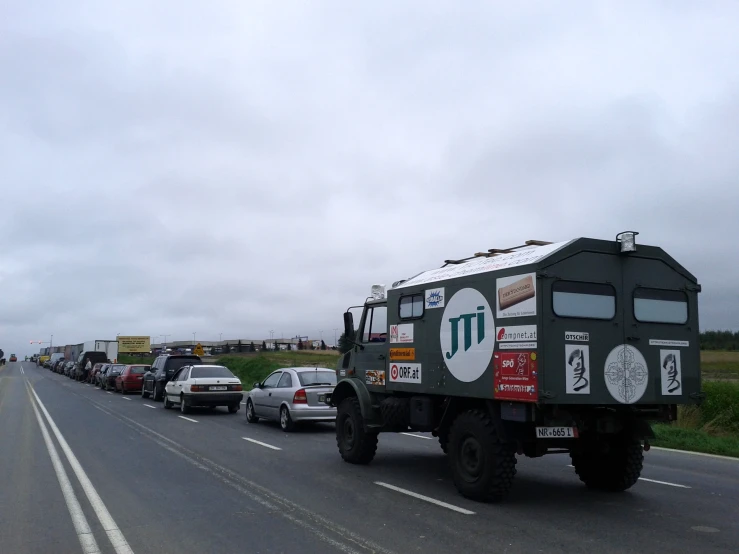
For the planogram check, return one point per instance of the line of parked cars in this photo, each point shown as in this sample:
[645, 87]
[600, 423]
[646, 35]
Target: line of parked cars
[290, 396]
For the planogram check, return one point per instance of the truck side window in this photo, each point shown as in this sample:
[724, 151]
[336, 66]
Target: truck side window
[660, 306]
[375, 325]
[583, 300]
[411, 306]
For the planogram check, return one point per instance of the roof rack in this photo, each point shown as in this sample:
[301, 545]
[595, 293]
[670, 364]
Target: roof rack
[496, 252]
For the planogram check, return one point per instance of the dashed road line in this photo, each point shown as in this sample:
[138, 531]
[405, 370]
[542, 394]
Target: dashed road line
[664, 483]
[426, 498]
[150, 406]
[260, 443]
[125, 398]
[187, 418]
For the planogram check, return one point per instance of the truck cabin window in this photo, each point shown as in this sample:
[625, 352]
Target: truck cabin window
[583, 300]
[375, 325]
[411, 307]
[660, 306]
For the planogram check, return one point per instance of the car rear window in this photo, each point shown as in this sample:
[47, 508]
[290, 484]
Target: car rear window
[139, 369]
[583, 300]
[308, 378]
[202, 372]
[173, 364]
[660, 306]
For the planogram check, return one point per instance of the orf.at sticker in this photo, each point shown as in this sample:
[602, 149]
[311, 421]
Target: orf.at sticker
[405, 373]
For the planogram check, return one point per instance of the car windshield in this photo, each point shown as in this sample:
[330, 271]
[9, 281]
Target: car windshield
[202, 372]
[117, 368]
[308, 378]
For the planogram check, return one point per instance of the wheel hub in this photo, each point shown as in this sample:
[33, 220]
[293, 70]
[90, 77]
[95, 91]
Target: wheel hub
[470, 457]
[348, 428]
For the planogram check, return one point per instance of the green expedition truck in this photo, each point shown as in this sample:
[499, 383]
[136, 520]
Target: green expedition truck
[544, 348]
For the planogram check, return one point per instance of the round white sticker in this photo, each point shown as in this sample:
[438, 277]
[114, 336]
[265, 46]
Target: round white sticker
[626, 374]
[467, 335]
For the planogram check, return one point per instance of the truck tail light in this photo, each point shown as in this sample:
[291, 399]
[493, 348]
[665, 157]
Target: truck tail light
[299, 397]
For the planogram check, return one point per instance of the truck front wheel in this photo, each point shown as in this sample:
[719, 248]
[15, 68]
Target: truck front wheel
[356, 444]
[482, 465]
[610, 465]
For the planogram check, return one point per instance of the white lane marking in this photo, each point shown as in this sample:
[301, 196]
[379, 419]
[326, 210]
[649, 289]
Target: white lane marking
[717, 456]
[109, 392]
[418, 436]
[262, 443]
[187, 418]
[150, 406]
[88, 384]
[655, 481]
[243, 403]
[664, 483]
[81, 527]
[23, 372]
[426, 498]
[125, 398]
[119, 542]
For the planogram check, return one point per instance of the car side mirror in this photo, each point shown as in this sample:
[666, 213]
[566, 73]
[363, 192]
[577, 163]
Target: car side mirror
[257, 385]
[349, 325]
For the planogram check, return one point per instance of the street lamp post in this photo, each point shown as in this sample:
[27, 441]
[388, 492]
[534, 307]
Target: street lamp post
[193, 338]
[336, 329]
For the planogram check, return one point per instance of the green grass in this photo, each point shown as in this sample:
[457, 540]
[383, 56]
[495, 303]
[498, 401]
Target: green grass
[718, 364]
[255, 367]
[712, 427]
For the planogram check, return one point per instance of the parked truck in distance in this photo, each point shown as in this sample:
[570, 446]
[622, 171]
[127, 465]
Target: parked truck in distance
[570, 347]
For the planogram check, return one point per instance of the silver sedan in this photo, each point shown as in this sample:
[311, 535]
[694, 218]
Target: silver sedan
[292, 395]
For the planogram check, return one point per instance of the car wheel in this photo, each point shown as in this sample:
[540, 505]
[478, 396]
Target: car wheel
[144, 394]
[184, 407]
[233, 408]
[251, 417]
[157, 392]
[286, 421]
[167, 403]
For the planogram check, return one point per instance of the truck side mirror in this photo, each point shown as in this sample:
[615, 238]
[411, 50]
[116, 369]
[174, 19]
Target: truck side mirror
[349, 325]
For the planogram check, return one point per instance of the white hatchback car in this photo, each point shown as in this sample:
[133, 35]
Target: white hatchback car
[204, 386]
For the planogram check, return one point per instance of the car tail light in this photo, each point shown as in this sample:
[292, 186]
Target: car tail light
[198, 388]
[237, 387]
[300, 397]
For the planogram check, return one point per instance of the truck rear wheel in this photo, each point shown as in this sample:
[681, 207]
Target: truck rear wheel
[482, 465]
[613, 465]
[356, 444]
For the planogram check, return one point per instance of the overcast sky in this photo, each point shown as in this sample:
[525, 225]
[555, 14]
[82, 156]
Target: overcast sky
[240, 167]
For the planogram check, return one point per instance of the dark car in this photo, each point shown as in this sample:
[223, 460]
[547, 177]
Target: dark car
[108, 380]
[131, 378]
[91, 356]
[59, 365]
[162, 370]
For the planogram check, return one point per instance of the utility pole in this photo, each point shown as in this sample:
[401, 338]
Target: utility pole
[220, 337]
[165, 341]
[336, 329]
[193, 338]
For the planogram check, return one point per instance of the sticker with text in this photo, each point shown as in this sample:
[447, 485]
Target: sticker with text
[405, 373]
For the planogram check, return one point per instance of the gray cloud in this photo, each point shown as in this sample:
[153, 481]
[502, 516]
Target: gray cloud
[241, 168]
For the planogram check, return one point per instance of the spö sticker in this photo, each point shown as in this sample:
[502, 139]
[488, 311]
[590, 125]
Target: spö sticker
[467, 335]
[405, 373]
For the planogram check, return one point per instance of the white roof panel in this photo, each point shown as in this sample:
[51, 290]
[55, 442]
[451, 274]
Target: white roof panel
[483, 264]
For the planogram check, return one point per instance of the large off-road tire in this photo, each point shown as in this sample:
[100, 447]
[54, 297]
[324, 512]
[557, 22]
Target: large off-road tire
[482, 465]
[395, 414]
[444, 442]
[612, 465]
[356, 444]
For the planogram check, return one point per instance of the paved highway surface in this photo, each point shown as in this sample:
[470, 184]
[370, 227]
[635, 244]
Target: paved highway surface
[86, 471]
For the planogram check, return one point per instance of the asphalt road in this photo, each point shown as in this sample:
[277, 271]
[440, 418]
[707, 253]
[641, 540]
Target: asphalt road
[143, 479]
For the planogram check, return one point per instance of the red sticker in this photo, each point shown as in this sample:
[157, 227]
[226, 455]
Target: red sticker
[394, 372]
[515, 376]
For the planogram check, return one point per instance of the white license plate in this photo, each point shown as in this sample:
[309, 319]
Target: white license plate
[218, 388]
[556, 432]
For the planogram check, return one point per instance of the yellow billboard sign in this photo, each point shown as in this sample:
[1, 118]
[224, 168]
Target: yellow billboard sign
[129, 345]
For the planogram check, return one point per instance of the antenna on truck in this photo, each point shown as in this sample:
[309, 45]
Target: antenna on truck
[497, 252]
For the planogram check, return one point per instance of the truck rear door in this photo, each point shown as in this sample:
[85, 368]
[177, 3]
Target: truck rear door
[661, 322]
[582, 324]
